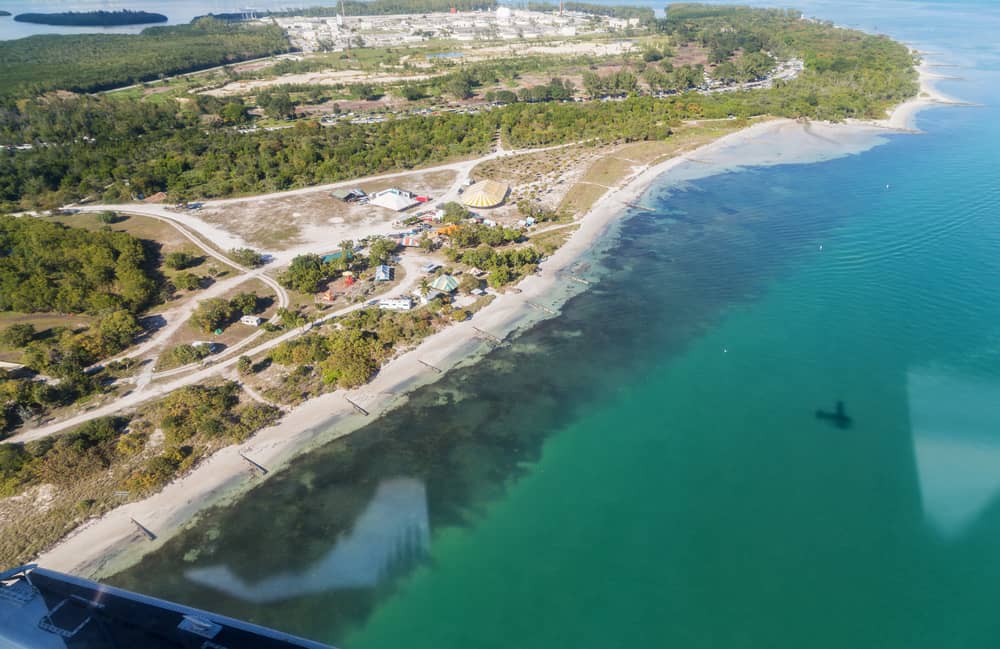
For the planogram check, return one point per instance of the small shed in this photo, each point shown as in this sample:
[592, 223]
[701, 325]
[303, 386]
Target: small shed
[348, 195]
[410, 242]
[383, 273]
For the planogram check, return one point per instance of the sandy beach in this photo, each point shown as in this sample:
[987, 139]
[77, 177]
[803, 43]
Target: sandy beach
[111, 543]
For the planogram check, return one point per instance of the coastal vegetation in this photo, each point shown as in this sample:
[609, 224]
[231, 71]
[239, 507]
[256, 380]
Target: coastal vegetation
[99, 18]
[847, 74]
[47, 266]
[93, 62]
[111, 460]
[349, 354]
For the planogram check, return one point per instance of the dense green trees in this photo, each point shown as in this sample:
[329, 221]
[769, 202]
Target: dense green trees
[469, 235]
[454, 212]
[247, 257]
[89, 62]
[218, 313]
[181, 156]
[305, 273]
[555, 90]
[349, 355]
[16, 336]
[848, 74]
[621, 82]
[47, 266]
[116, 331]
[277, 104]
[380, 249]
[180, 260]
[211, 314]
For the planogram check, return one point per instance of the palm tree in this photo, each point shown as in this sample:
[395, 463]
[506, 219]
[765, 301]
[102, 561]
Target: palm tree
[425, 287]
[346, 253]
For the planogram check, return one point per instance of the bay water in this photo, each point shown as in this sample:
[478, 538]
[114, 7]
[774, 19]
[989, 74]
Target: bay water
[649, 467]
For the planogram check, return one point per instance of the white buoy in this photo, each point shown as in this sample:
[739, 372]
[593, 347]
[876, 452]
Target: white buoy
[725, 350]
[821, 246]
[887, 186]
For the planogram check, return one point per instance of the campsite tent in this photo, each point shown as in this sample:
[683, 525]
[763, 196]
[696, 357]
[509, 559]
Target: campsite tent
[445, 284]
[485, 193]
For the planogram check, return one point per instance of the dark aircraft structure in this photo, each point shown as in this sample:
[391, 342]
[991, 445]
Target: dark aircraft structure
[838, 417]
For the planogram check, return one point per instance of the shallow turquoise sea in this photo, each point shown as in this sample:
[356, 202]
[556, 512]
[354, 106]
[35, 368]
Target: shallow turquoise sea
[648, 469]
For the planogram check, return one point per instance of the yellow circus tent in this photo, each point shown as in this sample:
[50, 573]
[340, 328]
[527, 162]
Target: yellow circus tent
[485, 193]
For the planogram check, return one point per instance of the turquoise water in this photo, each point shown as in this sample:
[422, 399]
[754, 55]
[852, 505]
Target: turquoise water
[647, 469]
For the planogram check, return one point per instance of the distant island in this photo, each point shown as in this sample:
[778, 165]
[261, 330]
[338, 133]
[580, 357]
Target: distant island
[92, 18]
[4, 13]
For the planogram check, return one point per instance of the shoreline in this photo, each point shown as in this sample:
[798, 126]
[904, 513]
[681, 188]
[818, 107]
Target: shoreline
[103, 546]
[903, 116]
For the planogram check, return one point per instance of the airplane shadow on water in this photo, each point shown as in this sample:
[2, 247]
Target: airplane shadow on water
[838, 417]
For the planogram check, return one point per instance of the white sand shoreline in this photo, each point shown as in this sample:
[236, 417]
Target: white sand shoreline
[110, 543]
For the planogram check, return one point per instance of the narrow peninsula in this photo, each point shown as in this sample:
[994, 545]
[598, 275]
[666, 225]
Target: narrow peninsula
[99, 18]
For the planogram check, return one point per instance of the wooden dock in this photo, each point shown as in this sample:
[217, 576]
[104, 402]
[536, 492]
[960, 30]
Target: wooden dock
[579, 280]
[636, 206]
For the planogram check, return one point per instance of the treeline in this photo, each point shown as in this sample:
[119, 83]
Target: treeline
[625, 12]
[99, 18]
[681, 11]
[190, 160]
[848, 74]
[93, 62]
[49, 267]
[369, 8]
